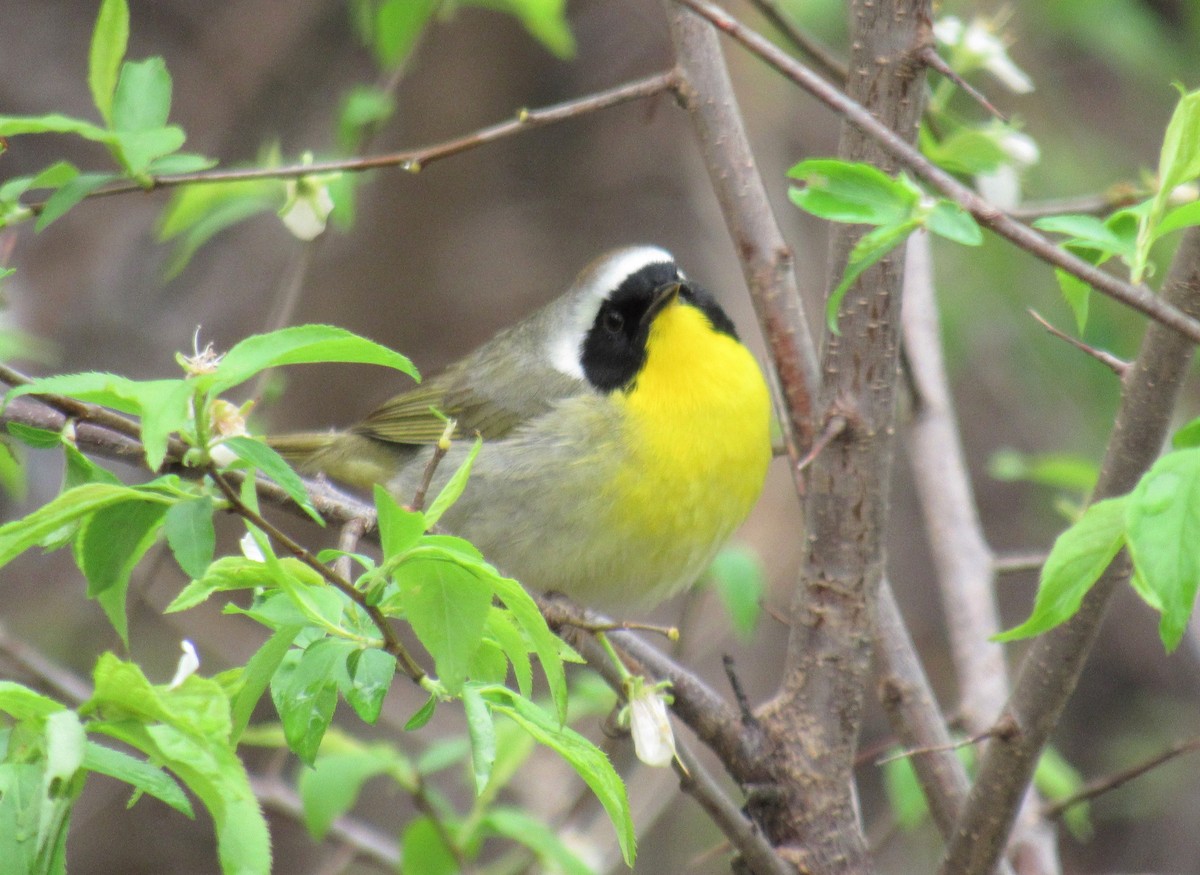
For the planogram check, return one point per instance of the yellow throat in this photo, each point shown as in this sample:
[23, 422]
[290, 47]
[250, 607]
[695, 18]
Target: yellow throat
[697, 436]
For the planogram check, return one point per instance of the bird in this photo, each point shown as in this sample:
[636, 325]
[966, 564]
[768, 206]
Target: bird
[625, 435]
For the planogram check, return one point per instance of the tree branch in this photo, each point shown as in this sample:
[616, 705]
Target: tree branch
[767, 262]
[1138, 297]
[1053, 663]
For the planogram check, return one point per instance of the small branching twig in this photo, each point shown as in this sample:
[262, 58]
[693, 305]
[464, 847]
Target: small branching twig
[935, 61]
[1014, 563]
[908, 753]
[412, 160]
[391, 643]
[834, 426]
[830, 66]
[439, 452]
[1103, 785]
[1117, 365]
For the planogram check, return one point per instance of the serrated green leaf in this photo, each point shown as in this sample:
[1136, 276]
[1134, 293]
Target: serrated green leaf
[109, 40]
[19, 535]
[1075, 563]
[545, 643]
[588, 761]
[306, 696]
[482, 733]
[843, 191]
[870, 249]
[110, 544]
[38, 438]
[1181, 217]
[256, 677]
[1178, 163]
[227, 573]
[738, 578]
[502, 626]
[300, 344]
[1090, 231]
[454, 487]
[162, 405]
[190, 534]
[370, 674]
[1164, 537]
[22, 703]
[447, 605]
[273, 466]
[139, 774]
[68, 195]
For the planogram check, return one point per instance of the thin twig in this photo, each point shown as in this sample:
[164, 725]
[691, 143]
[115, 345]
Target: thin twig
[671, 633]
[834, 426]
[439, 452]
[830, 66]
[1117, 365]
[910, 752]
[1013, 563]
[930, 56]
[351, 534]
[752, 845]
[1098, 787]
[1121, 195]
[391, 643]
[412, 160]
[987, 214]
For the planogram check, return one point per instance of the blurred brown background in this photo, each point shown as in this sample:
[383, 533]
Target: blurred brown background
[439, 260]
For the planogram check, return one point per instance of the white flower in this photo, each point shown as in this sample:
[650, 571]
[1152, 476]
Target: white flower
[1002, 186]
[653, 740]
[250, 548]
[978, 46]
[188, 663]
[308, 206]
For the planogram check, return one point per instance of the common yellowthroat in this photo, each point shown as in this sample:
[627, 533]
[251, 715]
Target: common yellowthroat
[625, 436]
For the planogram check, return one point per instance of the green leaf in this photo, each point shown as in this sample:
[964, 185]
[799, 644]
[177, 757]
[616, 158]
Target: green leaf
[738, 578]
[1057, 779]
[871, 248]
[422, 715]
[1077, 294]
[1188, 436]
[1088, 231]
[109, 39]
[22, 703]
[110, 544]
[181, 162]
[1164, 537]
[198, 212]
[518, 826]
[370, 674]
[947, 219]
[1058, 470]
[482, 733]
[19, 535]
[842, 191]
[423, 841]
[12, 472]
[38, 438]
[399, 528]
[228, 573]
[256, 677]
[1181, 217]
[453, 489]
[967, 150]
[585, 758]
[447, 605]
[189, 529]
[161, 404]
[52, 123]
[137, 150]
[301, 344]
[397, 25]
[331, 787]
[502, 627]
[142, 101]
[141, 775]
[545, 20]
[1178, 163]
[306, 696]
[1076, 561]
[364, 108]
[273, 466]
[67, 196]
[546, 644]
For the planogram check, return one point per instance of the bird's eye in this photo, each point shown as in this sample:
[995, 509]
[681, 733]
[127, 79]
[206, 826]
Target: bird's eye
[613, 321]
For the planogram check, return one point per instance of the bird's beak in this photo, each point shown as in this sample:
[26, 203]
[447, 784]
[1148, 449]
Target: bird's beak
[664, 296]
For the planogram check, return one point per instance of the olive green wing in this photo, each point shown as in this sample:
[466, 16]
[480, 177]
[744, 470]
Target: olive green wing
[484, 396]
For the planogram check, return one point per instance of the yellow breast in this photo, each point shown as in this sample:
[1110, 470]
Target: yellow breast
[697, 447]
